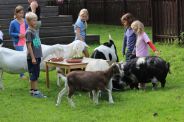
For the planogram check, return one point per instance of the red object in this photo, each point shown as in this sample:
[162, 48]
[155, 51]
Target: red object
[74, 60]
[152, 46]
[56, 59]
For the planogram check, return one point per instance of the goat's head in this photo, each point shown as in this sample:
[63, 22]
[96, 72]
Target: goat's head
[111, 45]
[116, 69]
[78, 47]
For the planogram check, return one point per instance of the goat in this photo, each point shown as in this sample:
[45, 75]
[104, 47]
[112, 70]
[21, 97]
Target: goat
[106, 51]
[88, 81]
[144, 70]
[15, 62]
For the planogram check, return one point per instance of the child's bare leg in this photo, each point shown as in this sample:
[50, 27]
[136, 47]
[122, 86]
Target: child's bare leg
[34, 85]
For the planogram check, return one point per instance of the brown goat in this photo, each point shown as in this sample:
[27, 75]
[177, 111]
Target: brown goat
[88, 81]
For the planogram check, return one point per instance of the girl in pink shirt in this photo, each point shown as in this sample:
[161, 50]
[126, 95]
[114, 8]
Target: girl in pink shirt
[142, 42]
[17, 30]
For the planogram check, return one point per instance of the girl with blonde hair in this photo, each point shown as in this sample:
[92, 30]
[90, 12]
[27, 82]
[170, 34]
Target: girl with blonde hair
[142, 42]
[80, 28]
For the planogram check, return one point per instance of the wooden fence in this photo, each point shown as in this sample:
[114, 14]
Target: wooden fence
[108, 11]
[168, 19]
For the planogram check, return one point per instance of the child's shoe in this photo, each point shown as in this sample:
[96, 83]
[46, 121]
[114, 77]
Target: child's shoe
[37, 94]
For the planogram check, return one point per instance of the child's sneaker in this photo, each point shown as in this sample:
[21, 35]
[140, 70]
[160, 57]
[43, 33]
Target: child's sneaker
[23, 77]
[37, 94]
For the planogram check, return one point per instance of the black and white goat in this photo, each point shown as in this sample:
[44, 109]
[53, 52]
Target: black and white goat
[106, 51]
[144, 70]
[88, 81]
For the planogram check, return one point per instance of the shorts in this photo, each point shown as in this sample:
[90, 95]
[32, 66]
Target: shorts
[34, 69]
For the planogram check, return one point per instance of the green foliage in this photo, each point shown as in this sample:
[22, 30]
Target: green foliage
[162, 105]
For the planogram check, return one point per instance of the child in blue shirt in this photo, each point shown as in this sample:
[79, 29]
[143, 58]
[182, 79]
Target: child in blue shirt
[129, 37]
[80, 28]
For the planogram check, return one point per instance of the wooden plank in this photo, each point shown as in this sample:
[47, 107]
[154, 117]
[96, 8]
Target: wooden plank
[90, 39]
[8, 2]
[49, 31]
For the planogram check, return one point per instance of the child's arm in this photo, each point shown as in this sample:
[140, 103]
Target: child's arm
[78, 34]
[33, 6]
[152, 46]
[11, 29]
[30, 50]
[124, 45]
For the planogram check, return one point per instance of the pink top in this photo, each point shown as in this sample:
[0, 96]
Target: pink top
[22, 41]
[141, 45]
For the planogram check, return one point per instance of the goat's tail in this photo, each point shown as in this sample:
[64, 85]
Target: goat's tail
[110, 37]
[63, 91]
[168, 67]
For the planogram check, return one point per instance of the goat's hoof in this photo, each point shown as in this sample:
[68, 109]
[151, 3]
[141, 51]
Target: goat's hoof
[57, 104]
[1, 88]
[111, 102]
[154, 88]
[73, 106]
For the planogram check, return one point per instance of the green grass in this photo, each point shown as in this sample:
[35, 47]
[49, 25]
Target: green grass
[16, 105]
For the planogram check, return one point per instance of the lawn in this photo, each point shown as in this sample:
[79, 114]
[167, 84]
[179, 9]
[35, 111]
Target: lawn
[16, 105]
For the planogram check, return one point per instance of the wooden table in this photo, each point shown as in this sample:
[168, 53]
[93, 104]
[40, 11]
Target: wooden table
[63, 65]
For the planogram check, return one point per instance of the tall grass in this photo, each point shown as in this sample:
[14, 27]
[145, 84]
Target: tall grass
[162, 105]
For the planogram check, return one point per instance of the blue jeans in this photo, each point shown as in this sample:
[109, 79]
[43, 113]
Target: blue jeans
[19, 48]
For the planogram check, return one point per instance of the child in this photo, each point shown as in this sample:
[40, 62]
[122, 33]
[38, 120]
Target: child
[34, 54]
[17, 31]
[129, 36]
[142, 43]
[80, 28]
[35, 8]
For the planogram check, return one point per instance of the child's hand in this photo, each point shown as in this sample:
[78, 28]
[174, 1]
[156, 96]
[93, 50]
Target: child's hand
[157, 53]
[21, 35]
[34, 61]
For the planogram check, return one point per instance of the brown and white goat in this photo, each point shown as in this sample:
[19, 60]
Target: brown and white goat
[88, 81]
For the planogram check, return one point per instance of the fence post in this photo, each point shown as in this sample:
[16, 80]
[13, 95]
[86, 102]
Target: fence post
[125, 6]
[178, 17]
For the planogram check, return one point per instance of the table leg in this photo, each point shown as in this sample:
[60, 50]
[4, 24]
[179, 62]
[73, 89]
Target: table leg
[65, 71]
[69, 70]
[47, 75]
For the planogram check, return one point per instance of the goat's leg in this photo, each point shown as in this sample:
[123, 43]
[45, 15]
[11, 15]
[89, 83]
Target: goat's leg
[1, 79]
[94, 95]
[110, 95]
[97, 96]
[60, 95]
[58, 80]
[71, 92]
[110, 86]
[60, 76]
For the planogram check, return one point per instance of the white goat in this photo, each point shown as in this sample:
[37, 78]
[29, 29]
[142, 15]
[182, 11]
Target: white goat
[15, 62]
